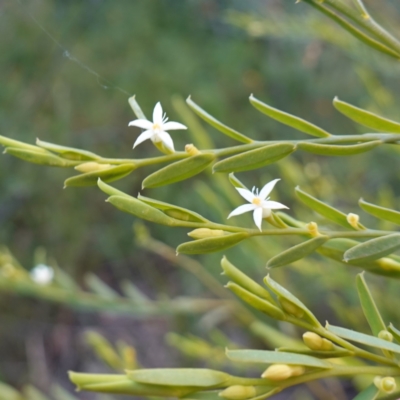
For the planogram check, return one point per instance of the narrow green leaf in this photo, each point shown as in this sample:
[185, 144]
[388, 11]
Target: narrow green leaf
[276, 357]
[178, 171]
[380, 212]
[39, 157]
[282, 292]
[338, 150]
[96, 285]
[395, 332]
[289, 220]
[256, 302]
[236, 182]
[373, 249]
[363, 338]
[256, 158]
[336, 248]
[207, 395]
[243, 280]
[7, 142]
[111, 191]
[69, 153]
[136, 108]
[297, 252]
[173, 211]
[370, 393]
[194, 377]
[31, 393]
[369, 307]
[288, 119]
[61, 394]
[323, 209]
[212, 244]
[319, 354]
[217, 124]
[366, 118]
[142, 210]
[106, 175]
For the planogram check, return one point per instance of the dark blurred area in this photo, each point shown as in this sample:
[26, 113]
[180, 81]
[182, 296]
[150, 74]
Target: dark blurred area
[67, 71]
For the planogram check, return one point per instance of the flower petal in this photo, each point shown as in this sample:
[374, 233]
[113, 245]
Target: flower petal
[167, 140]
[141, 123]
[242, 209]
[267, 189]
[169, 126]
[157, 114]
[142, 137]
[246, 194]
[257, 216]
[273, 205]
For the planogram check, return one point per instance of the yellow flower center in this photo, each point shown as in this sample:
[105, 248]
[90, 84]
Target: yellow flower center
[256, 201]
[156, 127]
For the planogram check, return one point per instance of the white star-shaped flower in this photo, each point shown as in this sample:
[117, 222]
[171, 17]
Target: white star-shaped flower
[156, 130]
[42, 274]
[259, 203]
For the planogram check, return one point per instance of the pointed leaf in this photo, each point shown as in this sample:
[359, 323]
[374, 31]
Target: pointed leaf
[276, 357]
[142, 210]
[212, 244]
[178, 171]
[95, 284]
[370, 393]
[236, 182]
[297, 252]
[369, 307]
[256, 302]
[366, 118]
[282, 292]
[69, 153]
[106, 175]
[395, 332]
[217, 124]
[39, 157]
[373, 249]
[173, 211]
[323, 209]
[254, 159]
[335, 150]
[380, 212]
[7, 142]
[363, 338]
[243, 280]
[195, 377]
[110, 190]
[288, 119]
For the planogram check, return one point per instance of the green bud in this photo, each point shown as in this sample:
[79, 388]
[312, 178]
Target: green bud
[203, 233]
[385, 335]
[280, 372]
[386, 384]
[291, 308]
[256, 302]
[238, 392]
[92, 166]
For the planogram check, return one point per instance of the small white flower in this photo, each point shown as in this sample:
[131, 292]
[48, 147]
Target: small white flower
[259, 203]
[156, 130]
[42, 274]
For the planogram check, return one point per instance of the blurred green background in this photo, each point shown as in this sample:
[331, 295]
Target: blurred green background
[67, 71]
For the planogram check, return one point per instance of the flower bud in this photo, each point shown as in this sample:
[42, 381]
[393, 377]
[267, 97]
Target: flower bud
[327, 345]
[353, 220]
[313, 229]
[92, 166]
[203, 233]
[313, 341]
[192, 150]
[291, 308]
[280, 372]
[385, 335]
[238, 392]
[388, 264]
[386, 384]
